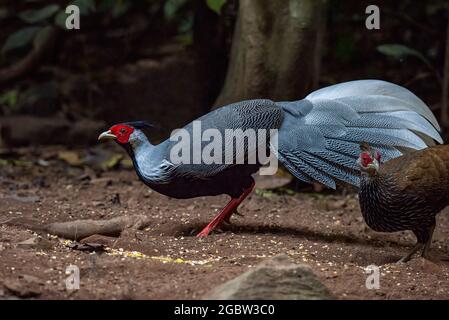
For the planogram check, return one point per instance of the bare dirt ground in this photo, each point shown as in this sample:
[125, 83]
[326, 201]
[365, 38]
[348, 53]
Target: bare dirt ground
[166, 260]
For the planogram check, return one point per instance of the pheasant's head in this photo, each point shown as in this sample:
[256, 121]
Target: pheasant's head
[125, 133]
[369, 160]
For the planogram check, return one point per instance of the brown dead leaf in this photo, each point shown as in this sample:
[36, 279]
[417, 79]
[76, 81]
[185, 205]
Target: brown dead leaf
[70, 157]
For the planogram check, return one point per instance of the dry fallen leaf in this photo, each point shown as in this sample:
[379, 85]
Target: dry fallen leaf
[112, 162]
[71, 157]
[127, 163]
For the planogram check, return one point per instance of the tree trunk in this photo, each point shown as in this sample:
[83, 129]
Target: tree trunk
[210, 47]
[445, 86]
[275, 52]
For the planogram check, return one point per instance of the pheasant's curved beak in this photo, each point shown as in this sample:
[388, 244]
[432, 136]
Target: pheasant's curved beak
[107, 135]
[373, 167]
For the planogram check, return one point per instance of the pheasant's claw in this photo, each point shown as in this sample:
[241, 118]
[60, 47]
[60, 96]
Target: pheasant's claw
[408, 256]
[403, 260]
[204, 233]
[238, 213]
[228, 218]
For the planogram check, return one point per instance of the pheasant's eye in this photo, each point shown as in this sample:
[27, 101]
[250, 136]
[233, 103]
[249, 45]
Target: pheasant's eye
[122, 130]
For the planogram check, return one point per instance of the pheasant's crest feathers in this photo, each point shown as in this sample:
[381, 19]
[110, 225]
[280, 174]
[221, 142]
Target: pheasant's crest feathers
[140, 124]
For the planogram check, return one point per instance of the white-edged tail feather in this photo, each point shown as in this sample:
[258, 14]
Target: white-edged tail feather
[320, 135]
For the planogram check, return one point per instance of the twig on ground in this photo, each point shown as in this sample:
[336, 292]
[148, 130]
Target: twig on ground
[80, 229]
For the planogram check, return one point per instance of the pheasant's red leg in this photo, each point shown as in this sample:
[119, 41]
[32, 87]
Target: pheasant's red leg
[226, 212]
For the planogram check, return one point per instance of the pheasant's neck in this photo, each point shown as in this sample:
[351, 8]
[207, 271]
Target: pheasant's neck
[373, 184]
[147, 158]
[374, 193]
[141, 148]
[369, 178]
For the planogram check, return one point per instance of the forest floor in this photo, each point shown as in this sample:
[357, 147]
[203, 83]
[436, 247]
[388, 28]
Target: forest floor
[166, 260]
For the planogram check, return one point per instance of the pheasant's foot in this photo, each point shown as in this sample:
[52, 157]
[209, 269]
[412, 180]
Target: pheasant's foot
[226, 213]
[426, 248]
[407, 257]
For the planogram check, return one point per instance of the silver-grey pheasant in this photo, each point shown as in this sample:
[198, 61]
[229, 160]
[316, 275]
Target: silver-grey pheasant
[317, 140]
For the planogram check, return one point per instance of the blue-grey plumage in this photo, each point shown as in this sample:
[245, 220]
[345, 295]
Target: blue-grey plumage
[318, 138]
[335, 119]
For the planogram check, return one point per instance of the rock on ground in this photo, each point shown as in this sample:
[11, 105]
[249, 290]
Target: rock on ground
[277, 278]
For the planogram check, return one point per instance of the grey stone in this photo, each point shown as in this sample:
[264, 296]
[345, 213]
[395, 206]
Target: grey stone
[22, 288]
[277, 278]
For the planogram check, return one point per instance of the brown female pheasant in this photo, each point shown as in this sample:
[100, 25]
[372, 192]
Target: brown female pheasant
[405, 193]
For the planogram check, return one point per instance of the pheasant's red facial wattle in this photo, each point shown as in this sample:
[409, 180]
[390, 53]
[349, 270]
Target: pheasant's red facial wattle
[122, 132]
[365, 159]
[369, 162]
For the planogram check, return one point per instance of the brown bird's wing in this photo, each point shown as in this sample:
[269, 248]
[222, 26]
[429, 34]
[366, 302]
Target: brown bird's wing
[425, 173]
